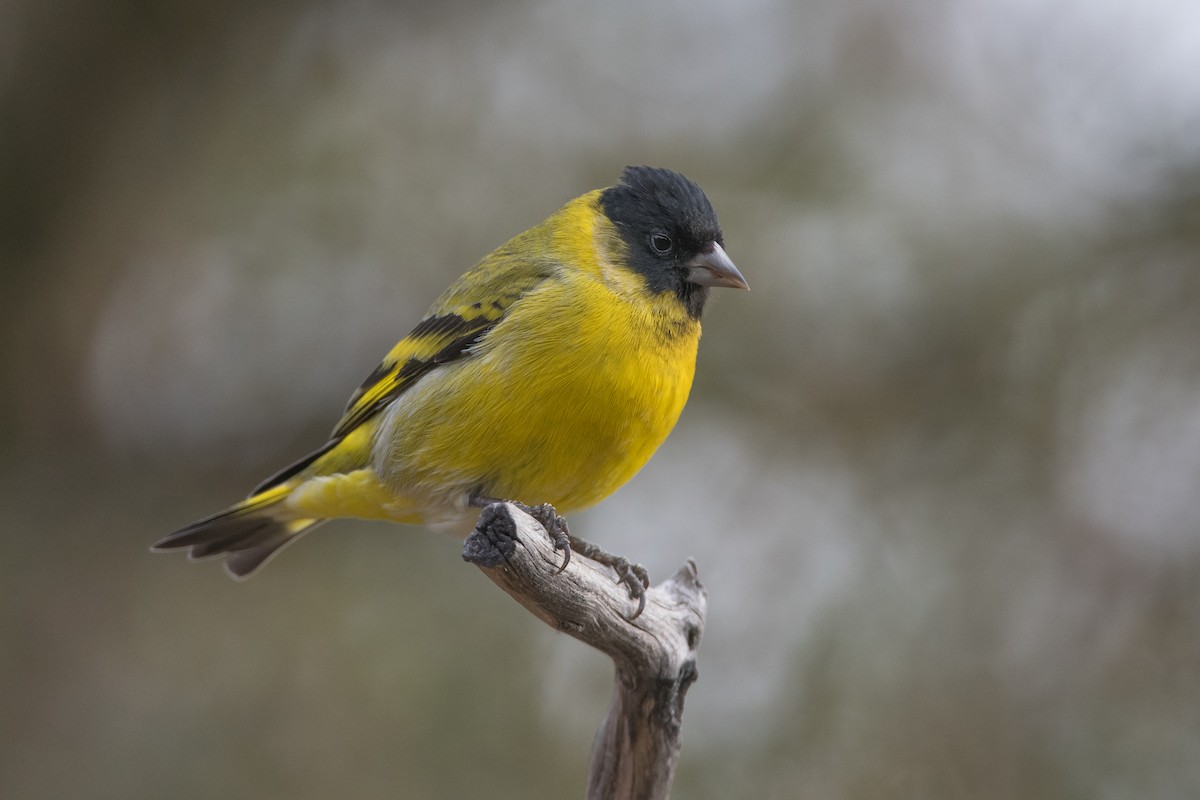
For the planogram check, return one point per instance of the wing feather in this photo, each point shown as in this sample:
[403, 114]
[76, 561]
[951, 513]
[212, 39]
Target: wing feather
[456, 322]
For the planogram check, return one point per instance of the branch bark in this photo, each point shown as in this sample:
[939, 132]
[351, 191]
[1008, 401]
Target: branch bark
[637, 746]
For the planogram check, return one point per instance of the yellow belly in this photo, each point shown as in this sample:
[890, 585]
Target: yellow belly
[565, 416]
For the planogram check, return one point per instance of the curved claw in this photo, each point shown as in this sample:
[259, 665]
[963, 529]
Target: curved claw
[556, 529]
[641, 596]
[563, 544]
[637, 579]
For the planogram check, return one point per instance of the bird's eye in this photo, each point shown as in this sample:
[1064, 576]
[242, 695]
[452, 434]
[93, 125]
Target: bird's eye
[661, 243]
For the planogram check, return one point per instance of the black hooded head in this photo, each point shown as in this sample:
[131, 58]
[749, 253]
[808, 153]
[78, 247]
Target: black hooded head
[666, 222]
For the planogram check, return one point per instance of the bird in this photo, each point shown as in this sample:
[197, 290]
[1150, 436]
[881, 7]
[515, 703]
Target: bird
[546, 375]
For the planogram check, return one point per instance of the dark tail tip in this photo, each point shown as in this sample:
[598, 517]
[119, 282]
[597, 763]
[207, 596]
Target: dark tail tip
[248, 541]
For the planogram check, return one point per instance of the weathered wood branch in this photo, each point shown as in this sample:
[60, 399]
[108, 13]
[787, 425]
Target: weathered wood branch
[637, 747]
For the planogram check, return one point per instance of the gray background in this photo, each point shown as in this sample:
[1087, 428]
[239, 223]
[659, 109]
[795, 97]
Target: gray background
[939, 469]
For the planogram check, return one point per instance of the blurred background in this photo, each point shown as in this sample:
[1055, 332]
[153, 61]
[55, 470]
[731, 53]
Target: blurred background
[940, 469]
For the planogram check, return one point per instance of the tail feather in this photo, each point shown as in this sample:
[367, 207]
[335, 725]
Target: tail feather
[234, 537]
[243, 562]
[249, 533]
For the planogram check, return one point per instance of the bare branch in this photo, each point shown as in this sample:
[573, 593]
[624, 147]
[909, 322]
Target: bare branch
[637, 747]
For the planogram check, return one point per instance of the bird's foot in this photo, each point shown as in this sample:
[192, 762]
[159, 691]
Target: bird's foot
[633, 576]
[547, 517]
[556, 528]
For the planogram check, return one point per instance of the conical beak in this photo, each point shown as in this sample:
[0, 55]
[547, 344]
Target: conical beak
[712, 267]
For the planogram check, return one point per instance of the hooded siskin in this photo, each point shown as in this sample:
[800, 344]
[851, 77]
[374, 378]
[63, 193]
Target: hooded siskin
[549, 373]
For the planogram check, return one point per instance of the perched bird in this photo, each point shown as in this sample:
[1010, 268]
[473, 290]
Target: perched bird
[548, 374]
